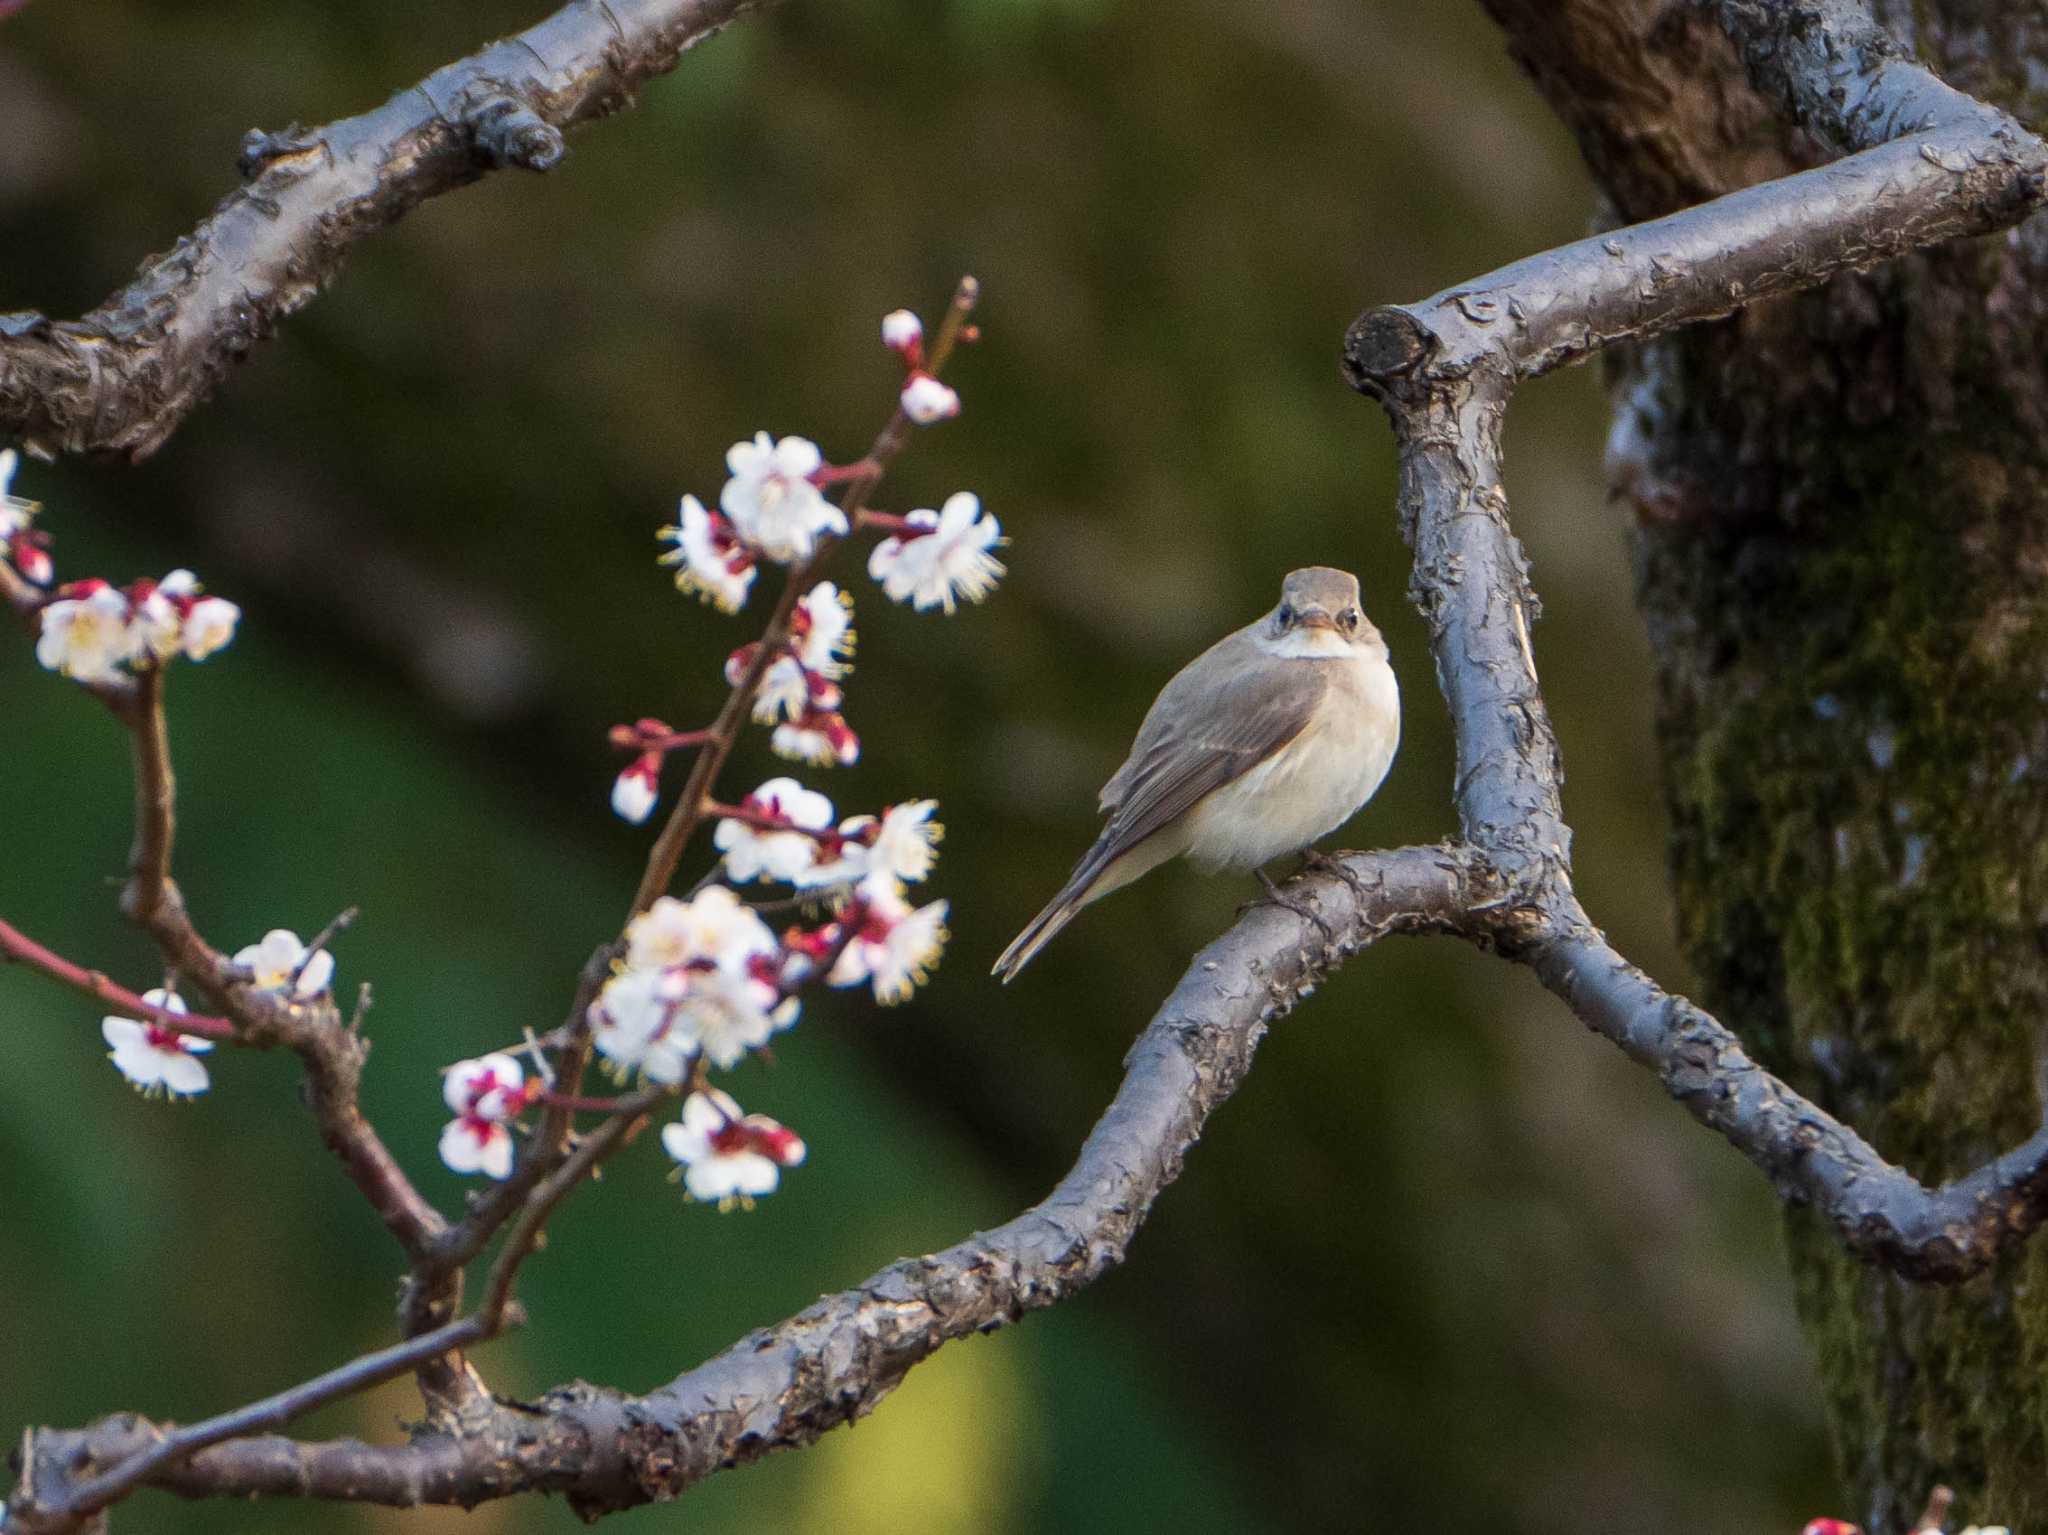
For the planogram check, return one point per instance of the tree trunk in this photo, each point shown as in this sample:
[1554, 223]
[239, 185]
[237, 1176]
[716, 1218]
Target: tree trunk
[1842, 512]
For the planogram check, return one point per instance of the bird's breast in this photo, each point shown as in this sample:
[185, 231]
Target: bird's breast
[1312, 785]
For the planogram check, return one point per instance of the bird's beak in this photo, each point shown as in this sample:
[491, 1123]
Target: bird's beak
[1314, 618]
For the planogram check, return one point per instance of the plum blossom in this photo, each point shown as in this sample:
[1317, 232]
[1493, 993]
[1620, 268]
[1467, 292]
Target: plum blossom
[156, 625]
[714, 924]
[636, 1024]
[273, 962]
[17, 542]
[637, 788]
[756, 852]
[942, 556]
[91, 630]
[901, 330]
[926, 401]
[727, 1157]
[771, 499]
[701, 977]
[85, 632]
[901, 844]
[820, 737]
[821, 642]
[14, 511]
[894, 947]
[157, 1060]
[483, 1095]
[711, 561]
[209, 626]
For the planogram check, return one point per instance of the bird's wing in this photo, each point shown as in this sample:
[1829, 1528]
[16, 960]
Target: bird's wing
[1204, 732]
[1179, 699]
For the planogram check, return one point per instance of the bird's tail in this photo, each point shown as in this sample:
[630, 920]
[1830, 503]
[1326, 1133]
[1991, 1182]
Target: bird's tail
[1107, 866]
[1041, 929]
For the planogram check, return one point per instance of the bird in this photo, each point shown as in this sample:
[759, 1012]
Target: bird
[1270, 739]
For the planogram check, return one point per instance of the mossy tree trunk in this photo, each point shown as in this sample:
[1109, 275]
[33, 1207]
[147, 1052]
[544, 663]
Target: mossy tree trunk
[1842, 513]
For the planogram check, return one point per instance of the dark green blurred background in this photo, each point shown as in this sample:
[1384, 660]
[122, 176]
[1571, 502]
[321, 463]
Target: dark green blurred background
[1445, 1263]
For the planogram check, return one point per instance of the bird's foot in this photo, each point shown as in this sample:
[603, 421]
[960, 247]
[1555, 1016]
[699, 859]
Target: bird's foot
[1336, 868]
[1275, 897]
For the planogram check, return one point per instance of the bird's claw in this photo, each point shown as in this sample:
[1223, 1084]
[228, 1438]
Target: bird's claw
[1301, 909]
[1336, 868]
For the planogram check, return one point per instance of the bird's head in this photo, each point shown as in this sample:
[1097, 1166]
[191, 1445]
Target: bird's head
[1319, 615]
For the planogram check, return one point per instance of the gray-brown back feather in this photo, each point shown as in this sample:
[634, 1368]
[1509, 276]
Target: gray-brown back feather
[1223, 714]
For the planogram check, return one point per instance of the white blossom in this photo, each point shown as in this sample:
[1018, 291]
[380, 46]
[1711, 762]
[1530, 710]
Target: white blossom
[901, 330]
[700, 977]
[156, 627]
[925, 400]
[209, 626]
[818, 738]
[483, 1095]
[85, 635]
[636, 1024]
[771, 500]
[821, 629]
[711, 562]
[931, 569]
[726, 1013]
[728, 1157]
[713, 925]
[273, 962]
[894, 947]
[901, 844]
[14, 511]
[156, 1060]
[752, 852]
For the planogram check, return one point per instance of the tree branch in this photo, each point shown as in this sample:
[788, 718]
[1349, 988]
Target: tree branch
[16, 947]
[64, 1510]
[123, 377]
[784, 1386]
[1444, 370]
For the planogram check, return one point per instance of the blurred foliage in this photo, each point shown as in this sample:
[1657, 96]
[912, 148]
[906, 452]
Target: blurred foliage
[1445, 1261]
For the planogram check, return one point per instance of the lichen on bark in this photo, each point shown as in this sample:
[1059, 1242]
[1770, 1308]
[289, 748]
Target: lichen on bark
[1842, 512]
[1843, 580]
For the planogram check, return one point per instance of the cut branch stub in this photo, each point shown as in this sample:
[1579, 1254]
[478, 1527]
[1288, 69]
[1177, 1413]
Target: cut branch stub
[1383, 345]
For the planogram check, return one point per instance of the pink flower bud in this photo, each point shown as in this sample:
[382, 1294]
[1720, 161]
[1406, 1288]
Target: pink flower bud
[926, 400]
[636, 790]
[901, 330]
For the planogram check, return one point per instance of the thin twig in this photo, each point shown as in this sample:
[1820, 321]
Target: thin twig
[16, 947]
[276, 1411]
[525, 1234]
[156, 793]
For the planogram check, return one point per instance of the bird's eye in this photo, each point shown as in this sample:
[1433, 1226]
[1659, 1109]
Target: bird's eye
[1349, 618]
[1286, 616]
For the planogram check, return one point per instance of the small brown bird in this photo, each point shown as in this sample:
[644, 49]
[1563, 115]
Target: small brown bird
[1267, 740]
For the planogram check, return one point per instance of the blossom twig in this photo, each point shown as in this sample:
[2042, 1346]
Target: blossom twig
[692, 806]
[16, 947]
[149, 864]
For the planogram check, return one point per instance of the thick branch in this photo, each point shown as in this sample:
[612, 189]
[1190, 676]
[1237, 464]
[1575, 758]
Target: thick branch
[1563, 306]
[124, 376]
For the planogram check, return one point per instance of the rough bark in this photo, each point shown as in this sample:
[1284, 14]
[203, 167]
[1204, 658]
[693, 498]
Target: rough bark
[1842, 504]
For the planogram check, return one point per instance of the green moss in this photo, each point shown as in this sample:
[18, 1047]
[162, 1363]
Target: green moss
[1854, 656]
